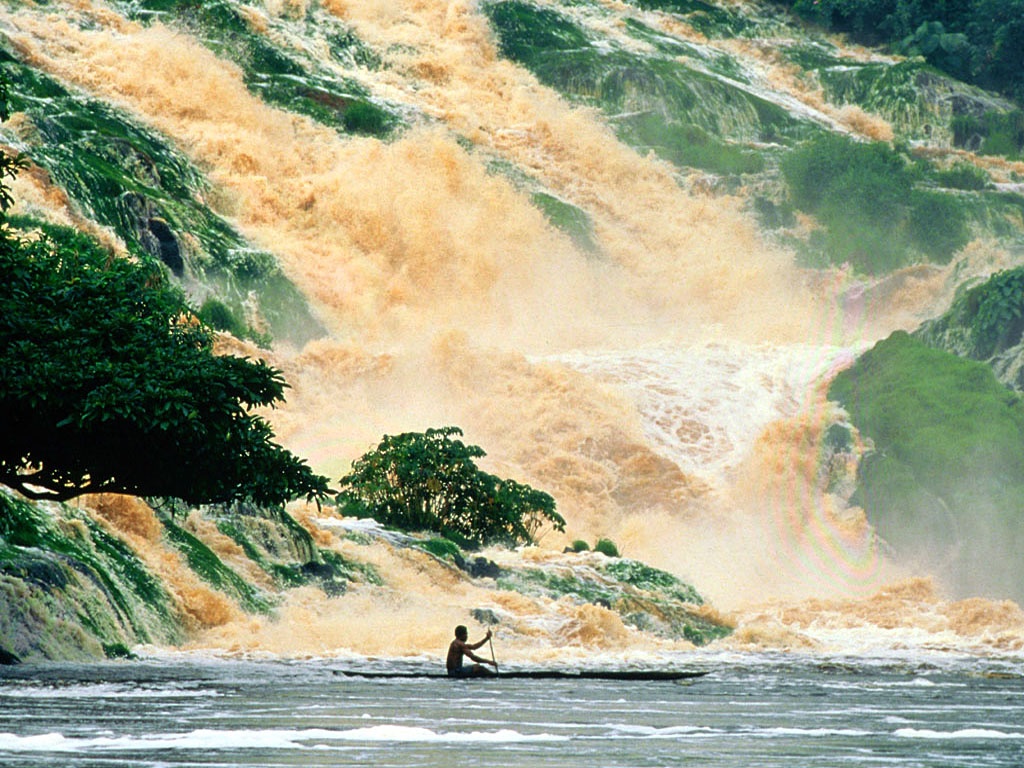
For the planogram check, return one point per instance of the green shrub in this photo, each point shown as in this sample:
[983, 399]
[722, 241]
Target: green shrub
[864, 196]
[998, 312]
[441, 548]
[965, 176]
[580, 546]
[366, 118]
[216, 314]
[833, 170]
[429, 481]
[1001, 133]
[117, 651]
[606, 547]
[937, 225]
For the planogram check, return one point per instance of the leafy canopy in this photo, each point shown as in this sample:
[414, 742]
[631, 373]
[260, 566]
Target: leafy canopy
[108, 382]
[978, 41]
[429, 482]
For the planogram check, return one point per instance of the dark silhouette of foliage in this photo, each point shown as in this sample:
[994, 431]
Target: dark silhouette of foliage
[428, 481]
[108, 382]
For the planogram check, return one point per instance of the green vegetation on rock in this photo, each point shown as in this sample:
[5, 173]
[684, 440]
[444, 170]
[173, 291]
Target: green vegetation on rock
[873, 215]
[278, 544]
[646, 598]
[287, 77]
[945, 478]
[205, 563]
[978, 41]
[69, 589]
[128, 178]
[692, 116]
[440, 548]
[571, 220]
[986, 323]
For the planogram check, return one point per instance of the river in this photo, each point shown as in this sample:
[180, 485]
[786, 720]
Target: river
[760, 709]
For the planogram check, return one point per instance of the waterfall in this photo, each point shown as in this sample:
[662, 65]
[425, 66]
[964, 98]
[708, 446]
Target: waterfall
[658, 365]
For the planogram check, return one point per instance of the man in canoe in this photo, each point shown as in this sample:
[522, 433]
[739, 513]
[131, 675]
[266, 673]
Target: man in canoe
[460, 648]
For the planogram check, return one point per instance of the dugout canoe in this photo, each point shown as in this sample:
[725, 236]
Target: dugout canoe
[630, 675]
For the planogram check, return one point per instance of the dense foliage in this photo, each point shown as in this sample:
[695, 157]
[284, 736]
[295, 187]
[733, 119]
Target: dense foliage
[984, 321]
[873, 216]
[978, 41]
[429, 482]
[947, 470]
[110, 384]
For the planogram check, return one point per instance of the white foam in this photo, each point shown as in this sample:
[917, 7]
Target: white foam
[651, 732]
[704, 406]
[102, 691]
[964, 733]
[206, 739]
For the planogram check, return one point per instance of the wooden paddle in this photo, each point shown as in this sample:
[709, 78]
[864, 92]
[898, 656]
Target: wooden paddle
[495, 661]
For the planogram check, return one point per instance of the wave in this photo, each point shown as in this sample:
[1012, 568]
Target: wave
[206, 739]
[964, 733]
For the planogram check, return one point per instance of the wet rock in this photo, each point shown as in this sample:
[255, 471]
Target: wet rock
[479, 567]
[168, 250]
[327, 577]
[485, 616]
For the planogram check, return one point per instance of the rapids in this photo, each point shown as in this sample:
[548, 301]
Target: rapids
[668, 391]
[921, 711]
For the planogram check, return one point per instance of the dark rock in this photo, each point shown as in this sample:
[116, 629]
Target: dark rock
[327, 577]
[478, 567]
[169, 251]
[485, 616]
[7, 658]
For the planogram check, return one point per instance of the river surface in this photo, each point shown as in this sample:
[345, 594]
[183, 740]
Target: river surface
[762, 710]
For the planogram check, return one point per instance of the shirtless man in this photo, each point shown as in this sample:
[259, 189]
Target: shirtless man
[460, 648]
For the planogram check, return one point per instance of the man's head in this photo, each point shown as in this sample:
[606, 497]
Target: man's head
[461, 633]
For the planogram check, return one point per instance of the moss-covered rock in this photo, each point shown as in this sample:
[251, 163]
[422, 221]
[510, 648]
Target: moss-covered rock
[687, 104]
[646, 598]
[70, 590]
[945, 480]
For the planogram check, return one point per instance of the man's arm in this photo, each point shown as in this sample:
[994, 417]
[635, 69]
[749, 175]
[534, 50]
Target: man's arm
[474, 646]
[476, 658]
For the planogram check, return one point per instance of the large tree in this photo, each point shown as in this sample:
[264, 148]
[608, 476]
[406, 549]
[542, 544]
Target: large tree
[108, 382]
[428, 481]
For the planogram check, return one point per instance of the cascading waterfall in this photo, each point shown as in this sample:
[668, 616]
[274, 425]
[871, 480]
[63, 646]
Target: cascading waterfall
[666, 389]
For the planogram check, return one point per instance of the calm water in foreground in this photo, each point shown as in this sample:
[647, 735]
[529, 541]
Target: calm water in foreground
[748, 711]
